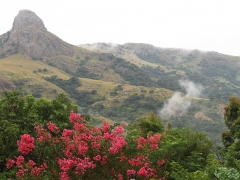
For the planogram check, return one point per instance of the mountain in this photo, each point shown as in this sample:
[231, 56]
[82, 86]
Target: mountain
[119, 83]
[29, 34]
[218, 73]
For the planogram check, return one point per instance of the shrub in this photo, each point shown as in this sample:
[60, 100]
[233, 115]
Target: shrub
[85, 152]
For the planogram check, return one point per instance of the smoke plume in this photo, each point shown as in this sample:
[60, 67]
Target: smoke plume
[191, 88]
[178, 104]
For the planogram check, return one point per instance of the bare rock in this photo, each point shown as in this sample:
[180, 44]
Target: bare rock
[30, 35]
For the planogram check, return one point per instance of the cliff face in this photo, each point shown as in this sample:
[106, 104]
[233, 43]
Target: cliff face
[30, 35]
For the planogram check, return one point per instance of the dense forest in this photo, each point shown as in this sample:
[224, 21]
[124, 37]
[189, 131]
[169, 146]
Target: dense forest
[48, 139]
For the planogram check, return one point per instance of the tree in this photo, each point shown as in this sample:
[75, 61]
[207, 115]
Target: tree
[231, 137]
[149, 124]
[18, 115]
[9, 133]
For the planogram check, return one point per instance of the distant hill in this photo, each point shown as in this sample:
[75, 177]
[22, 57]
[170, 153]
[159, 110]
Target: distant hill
[218, 73]
[120, 83]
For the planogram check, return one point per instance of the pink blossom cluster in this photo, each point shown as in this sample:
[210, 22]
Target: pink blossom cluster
[30, 167]
[147, 172]
[137, 161]
[82, 139]
[131, 172]
[80, 165]
[43, 135]
[52, 127]
[74, 118]
[151, 141]
[26, 144]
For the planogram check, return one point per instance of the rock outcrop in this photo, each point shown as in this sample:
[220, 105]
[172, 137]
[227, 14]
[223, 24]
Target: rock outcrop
[30, 35]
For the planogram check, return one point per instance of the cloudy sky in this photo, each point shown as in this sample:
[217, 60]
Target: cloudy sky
[210, 25]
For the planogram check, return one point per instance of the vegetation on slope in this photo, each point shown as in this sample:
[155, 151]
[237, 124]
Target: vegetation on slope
[177, 154]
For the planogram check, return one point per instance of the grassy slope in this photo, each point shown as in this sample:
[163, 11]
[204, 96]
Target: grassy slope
[104, 88]
[20, 67]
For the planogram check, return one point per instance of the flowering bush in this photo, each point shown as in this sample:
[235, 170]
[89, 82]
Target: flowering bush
[85, 152]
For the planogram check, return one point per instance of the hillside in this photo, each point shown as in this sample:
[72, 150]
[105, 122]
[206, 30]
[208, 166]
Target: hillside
[216, 72]
[119, 83]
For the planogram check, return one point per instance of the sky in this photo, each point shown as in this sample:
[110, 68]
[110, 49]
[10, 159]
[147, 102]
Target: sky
[208, 25]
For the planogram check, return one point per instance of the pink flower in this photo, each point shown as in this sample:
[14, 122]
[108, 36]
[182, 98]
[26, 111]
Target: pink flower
[137, 161]
[130, 172]
[82, 148]
[154, 139]
[31, 163]
[79, 127]
[120, 177]
[43, 135]
[26, 144]
[154, 146]
[36, 172]
[64, 176]
[160, 162]
[65, 164]
[10, 163]
[97, 158]
[96, 146]
[105, 127]
[20, 173]
[67, 134]
[122, 158]
[52, 127]
[108, 136]
[119, 129]
[142, 172]
[20, 161]
[104, 160]
[75, 118]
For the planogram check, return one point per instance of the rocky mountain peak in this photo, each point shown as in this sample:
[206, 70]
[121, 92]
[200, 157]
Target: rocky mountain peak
[30, 35]
[27, 18]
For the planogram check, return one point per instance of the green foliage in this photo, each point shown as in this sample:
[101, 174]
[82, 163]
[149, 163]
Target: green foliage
[186, 147]
[61, 107]
[9, 133]
[71, 83]
[224, 173]
[230, 138]
[131, 73]
[168, 80]
[85, 73]
[150, 124]
[82, 98]
[187, 153]
[133, 107]
[19, 114]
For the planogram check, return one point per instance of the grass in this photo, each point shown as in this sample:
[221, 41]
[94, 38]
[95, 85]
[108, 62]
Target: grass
[20, 67]
[104, 88]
